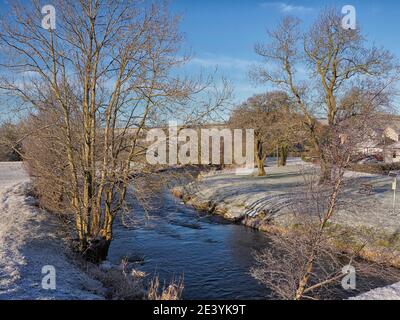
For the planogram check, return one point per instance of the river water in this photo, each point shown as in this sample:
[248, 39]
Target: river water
[212, 255]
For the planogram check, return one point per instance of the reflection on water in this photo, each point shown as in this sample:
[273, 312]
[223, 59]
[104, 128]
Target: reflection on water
[213, 256]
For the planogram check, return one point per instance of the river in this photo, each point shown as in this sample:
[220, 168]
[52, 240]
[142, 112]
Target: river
[212, 255]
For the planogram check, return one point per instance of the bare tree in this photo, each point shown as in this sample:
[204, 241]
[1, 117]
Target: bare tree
[318, 67]
[311, 261]
[92, 85]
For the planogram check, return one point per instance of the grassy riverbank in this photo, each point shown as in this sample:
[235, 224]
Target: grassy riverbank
[268, 204]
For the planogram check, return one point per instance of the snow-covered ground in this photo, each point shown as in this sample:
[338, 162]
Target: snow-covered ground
[29, 237]
[29, 240]
[387, 293]
[282, 191]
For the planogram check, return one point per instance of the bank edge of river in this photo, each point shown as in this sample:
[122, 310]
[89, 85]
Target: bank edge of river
[372, 253]
[377, 252]
[30, 240]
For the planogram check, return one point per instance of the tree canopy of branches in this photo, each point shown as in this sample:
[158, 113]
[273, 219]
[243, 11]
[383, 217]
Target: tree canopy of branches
[91, 86]
[275, 123]
[319, 67]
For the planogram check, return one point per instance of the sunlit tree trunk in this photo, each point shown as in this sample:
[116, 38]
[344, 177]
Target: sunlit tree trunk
[261, 157]
[283, 155]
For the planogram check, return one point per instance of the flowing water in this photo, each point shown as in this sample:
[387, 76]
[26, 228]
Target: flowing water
[213, 255]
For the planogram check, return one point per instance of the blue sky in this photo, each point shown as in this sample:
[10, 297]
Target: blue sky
[223, 32]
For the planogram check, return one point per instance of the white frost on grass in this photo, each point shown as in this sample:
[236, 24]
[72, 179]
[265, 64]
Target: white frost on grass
[30, 240]
[387, 293]
[282, 191]
[240, 195]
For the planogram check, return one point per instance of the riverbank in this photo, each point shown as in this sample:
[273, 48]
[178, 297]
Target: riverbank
[268, 203]
[30, 239]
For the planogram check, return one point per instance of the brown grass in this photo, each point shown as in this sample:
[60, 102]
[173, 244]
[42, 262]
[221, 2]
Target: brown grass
[119, 284]
[172, 292]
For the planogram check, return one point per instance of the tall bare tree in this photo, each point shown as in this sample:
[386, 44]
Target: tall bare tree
[318, 67]
[311, 262]
[327, 71]
[92, 85]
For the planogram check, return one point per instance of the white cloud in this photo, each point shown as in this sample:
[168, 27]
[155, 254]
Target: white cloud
[222, 61]
[286, 8]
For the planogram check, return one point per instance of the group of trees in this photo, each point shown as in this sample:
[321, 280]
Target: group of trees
[276, 126]
[340, 78]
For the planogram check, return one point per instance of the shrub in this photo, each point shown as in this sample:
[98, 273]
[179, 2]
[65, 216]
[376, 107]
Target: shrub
[9, 143]
[171, 293]
[119, 283]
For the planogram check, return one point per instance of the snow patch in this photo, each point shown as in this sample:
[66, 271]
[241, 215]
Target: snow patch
[387, 293]
[29, 240]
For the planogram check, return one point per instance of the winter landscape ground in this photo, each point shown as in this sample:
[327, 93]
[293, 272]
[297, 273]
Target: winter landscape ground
[278, 194]
[282, 191]
[29, 240]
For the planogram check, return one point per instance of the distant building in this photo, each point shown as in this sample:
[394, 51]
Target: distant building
[391, 153]
[383, 140]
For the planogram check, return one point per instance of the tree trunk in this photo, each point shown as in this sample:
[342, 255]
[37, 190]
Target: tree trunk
[261, 167]
[326, 172]
[283, 155]
[325, 166]
[97, 249]
[305, 279]
[260, 156]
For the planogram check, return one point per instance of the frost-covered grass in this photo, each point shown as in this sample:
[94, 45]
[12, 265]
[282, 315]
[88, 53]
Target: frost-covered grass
[29, 240]
[387, 293]
[282, 192]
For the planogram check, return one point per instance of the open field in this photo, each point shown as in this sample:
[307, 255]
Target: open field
[283, 188]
